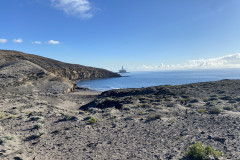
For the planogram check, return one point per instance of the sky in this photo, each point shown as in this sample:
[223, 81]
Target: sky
[136, 34]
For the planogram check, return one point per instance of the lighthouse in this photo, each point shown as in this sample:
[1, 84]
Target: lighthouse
[122, 70]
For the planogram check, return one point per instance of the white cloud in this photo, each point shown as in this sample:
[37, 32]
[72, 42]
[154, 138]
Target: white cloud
[3, 40]
[37, 42]
[19, 40]
[228, 61]
[53, 42]
[80, 8]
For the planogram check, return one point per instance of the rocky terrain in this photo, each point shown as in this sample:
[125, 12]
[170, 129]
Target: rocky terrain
[43, 116]
[162, 122]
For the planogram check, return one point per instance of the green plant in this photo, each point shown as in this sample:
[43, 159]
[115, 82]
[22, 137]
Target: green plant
[31, 151]
[29, 113]
[7, 137]
[215, 110]
[201, 111]
[143, 105]
[92, 120]
[12, 117]
[199, 152]
[143, 113]
[2, 115]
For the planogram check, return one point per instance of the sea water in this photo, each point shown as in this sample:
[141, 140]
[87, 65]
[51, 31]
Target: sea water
[147, 79]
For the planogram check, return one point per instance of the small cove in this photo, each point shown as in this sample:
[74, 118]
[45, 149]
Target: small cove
[147, 79]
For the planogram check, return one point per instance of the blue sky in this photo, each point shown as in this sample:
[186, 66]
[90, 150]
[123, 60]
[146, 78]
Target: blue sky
[112, 33]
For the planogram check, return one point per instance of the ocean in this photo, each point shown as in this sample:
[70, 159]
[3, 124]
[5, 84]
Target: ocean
[147, 79]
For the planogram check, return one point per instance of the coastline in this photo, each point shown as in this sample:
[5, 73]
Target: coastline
[148, 79]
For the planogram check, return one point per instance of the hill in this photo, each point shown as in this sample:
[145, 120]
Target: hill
[66, 70]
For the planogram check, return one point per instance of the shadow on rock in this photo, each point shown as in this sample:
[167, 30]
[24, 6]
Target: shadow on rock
[102, 104]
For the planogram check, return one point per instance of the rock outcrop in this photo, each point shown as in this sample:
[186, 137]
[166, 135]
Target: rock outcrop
[70, 71]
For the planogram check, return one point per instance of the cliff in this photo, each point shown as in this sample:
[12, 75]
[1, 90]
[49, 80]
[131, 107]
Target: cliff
[66, 70]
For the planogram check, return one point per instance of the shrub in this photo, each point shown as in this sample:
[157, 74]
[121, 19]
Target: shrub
[228, 108]
[35, 118]
[35, 136]
[184, 101]
[201, 111]
[194, 101]
[226, 98]
[210, 104]
[185, 96]
[2, 140]
[153, 117]
[2, 115]
[168, 99]
[143, 105]
[12, 117]
[38, 126]
[92, 120]
[213, 99]
[69, 118]
[232, 101]
[143, 113]
[7, 137]
[143, 98]
[215, 110]
[214, 96]
[237, 99]
[198, 152]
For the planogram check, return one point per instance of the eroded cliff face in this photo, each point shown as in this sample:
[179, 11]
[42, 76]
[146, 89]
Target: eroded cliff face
[77, 73]
[70, 71]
